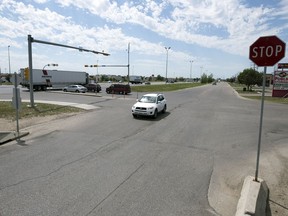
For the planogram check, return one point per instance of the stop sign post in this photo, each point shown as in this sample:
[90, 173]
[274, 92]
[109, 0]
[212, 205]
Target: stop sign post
[265, 51]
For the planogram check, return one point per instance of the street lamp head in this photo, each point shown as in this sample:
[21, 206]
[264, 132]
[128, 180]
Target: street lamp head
[54, 65]
[167, 48]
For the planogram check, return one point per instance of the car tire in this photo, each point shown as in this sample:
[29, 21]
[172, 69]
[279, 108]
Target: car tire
[77, 91]
[164, 109]
[65, 90]
[155, 114]
[134, 115]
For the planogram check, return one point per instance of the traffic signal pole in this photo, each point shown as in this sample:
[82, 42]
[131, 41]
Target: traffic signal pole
[32, 104]
[30, 41]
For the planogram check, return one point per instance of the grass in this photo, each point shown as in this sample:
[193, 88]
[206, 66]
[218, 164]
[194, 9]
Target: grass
[164, 87]
[8, 112]
[239, 89]
[271, 99]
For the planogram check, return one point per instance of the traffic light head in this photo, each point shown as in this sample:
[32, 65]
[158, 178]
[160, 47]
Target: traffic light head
[26, 73]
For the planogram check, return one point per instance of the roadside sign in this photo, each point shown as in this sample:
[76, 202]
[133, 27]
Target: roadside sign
[16, 79]
[282, 65]
[267, 51]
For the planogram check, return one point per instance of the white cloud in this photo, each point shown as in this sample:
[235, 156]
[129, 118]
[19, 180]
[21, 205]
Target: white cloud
[41, 1]
[188, 19]
[230, 25]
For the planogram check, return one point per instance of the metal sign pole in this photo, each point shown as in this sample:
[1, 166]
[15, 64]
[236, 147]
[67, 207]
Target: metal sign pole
[30, 40]
[17, 103]
[261, 122]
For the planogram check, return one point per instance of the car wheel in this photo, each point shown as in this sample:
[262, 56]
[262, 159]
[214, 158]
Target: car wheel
[65, 90]
[77, 91]
[164, 109]
[134, 115]
[155, 114]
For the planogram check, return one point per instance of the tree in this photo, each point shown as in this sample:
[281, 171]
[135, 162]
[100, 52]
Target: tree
[210, 78]
[204, 78]
[250, 77]
[231, 79]
[159, 78]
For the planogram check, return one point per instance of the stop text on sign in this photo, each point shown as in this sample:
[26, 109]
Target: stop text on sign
[268, 51]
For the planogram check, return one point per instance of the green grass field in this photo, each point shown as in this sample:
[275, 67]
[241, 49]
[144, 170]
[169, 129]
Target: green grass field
[8, 112]
[164, 87]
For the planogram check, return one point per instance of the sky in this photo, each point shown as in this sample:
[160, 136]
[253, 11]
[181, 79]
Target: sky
[204, 36]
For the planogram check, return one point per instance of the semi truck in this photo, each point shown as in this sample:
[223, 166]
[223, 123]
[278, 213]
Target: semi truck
[52, 79]
[135, 79]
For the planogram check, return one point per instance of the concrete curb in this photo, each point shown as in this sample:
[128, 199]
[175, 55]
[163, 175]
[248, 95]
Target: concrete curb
[253, 198]
[10, 136]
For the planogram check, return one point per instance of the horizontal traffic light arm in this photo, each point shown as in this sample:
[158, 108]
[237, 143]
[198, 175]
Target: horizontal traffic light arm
[106, 65]
[71, 47]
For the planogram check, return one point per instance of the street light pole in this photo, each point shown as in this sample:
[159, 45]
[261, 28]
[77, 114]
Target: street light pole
[191, 69]
[167, 49]
[9, 59]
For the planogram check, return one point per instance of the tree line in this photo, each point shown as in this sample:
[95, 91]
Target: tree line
[248, 77]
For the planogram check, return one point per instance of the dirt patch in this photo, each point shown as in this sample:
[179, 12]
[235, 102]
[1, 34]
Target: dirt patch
[11, 125]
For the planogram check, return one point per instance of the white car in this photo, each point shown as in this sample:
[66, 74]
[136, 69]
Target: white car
[75, 88]
[149, 105]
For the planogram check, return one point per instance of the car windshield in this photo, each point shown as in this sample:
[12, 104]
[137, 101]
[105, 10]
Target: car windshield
[148, 99]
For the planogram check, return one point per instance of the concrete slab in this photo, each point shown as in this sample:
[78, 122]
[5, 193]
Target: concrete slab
[253, 198]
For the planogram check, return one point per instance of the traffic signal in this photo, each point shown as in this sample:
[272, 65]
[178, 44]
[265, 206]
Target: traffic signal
[26, 73]
[90, 65]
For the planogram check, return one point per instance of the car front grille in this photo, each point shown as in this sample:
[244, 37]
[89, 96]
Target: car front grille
[141, 108]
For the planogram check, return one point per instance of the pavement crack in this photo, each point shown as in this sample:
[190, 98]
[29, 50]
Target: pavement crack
[108, 195]
[59, 168]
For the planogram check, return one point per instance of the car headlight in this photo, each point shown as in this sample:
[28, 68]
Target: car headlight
[151, 107]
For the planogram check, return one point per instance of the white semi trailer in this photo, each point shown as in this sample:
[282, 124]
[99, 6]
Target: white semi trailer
[52, 79]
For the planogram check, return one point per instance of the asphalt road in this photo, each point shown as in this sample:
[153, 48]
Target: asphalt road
[190, 161]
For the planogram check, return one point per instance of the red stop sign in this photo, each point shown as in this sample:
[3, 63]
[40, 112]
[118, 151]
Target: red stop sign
[267, 51]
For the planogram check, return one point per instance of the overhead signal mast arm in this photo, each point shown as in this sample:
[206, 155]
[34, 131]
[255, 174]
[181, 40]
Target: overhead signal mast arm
[71, 47]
